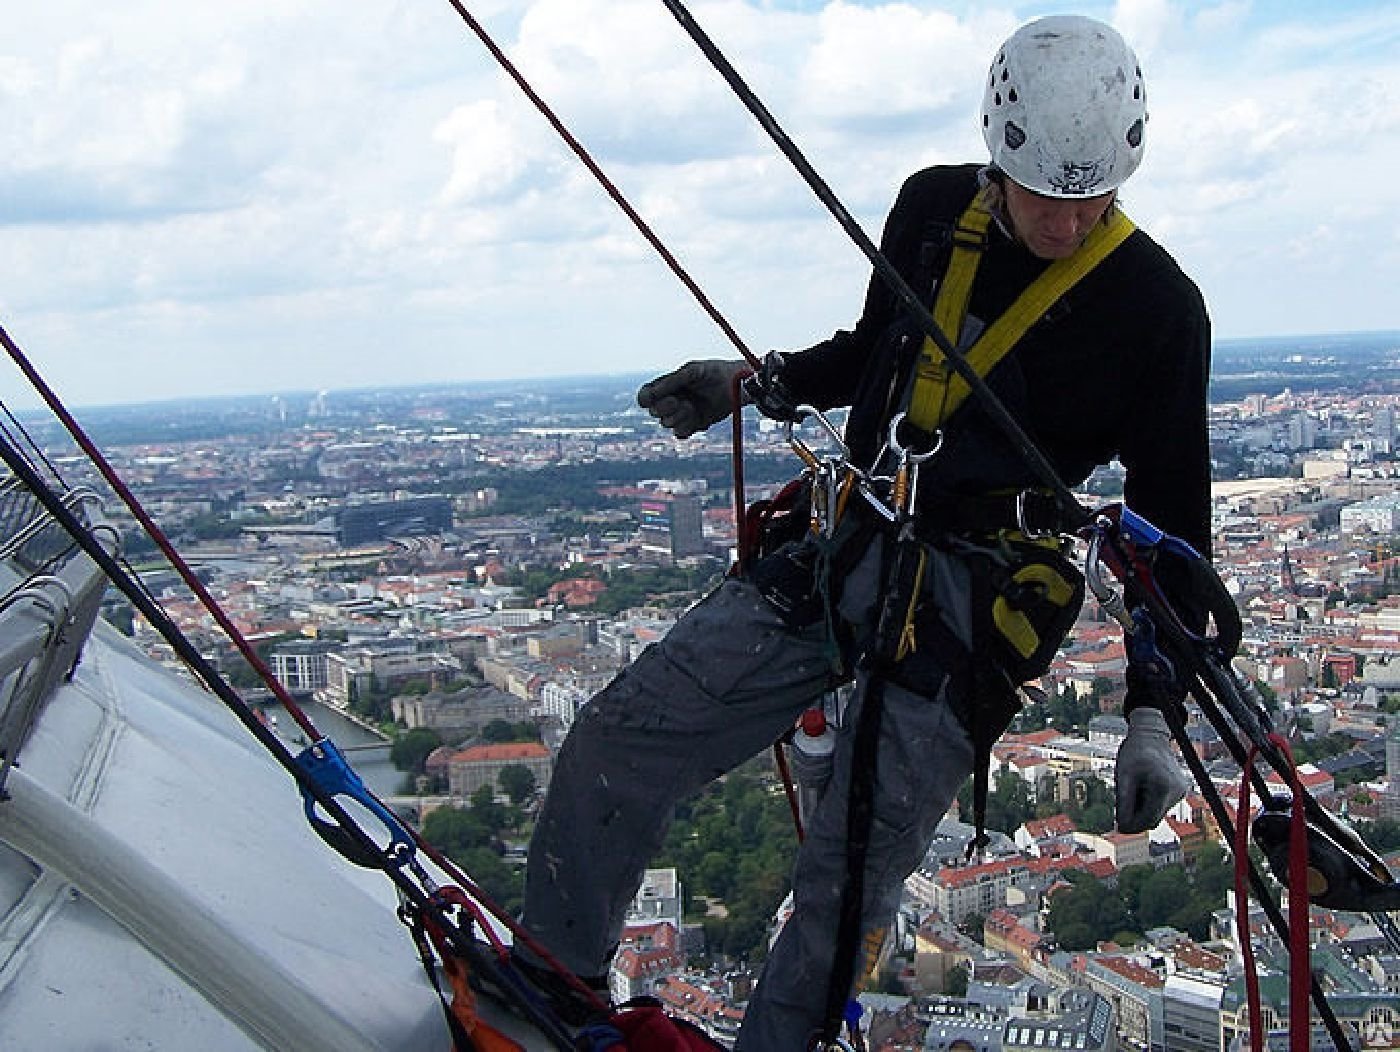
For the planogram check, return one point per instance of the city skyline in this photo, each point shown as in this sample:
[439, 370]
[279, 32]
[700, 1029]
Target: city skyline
[1262, 365]
[316, 196]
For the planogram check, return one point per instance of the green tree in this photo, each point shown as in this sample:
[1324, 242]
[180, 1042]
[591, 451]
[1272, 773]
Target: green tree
[1214, 872]
[1008, 804]
[501, 881]
[734, 842]
[1164, 894]
[411, 748]
[974, 926]
[455, 831]
[500, 732]
[1382, 835]
[484, 806]
[517, 781]
[955, 985]
[714, 875]
[1131, 882]
[1087, 912]
[1091, 805]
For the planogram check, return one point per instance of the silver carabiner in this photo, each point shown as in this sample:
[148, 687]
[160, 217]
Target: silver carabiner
[1027, 530]
[1108, 597]
[831, 429]
[804, 452]
[905, 492]
[903, 452]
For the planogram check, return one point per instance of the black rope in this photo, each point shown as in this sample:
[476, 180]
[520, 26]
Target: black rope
[210, 676]
[29, 440]
[1075, 513]
[1204, 679]
[860, 811]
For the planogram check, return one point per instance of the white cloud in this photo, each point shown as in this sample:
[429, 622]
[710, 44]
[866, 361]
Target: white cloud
[296, 185]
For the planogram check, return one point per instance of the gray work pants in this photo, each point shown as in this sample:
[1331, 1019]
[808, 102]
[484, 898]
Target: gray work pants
[726, 681]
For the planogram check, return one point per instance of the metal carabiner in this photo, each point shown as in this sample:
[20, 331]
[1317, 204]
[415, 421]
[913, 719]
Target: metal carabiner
[1027, 530]
[805, 452]
[1108, 597]
[904, 492]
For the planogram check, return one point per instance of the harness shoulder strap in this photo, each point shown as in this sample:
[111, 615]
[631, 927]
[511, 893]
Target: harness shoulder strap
[937, 390]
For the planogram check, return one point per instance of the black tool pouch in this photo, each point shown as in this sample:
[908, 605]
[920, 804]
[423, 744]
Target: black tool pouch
[1025, 599]
[792, 581]
[781, 519]
[802, 578]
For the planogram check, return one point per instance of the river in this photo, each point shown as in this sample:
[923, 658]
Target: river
[365, 750]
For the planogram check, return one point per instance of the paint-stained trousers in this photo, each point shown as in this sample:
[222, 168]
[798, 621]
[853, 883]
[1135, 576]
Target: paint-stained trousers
[724, 683]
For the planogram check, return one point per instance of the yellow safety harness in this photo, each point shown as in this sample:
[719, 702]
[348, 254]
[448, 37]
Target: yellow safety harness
[938, 391]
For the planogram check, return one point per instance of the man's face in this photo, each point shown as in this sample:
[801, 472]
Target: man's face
[1052, 227]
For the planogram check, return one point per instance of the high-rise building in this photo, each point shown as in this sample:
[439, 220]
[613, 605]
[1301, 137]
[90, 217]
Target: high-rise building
[672, 525]
[1383, 429]
[1302, 431]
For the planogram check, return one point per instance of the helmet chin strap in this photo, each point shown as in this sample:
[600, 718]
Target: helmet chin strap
[993, 177]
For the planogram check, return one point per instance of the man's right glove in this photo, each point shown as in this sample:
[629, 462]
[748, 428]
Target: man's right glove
[1148, 780]
[693, 397]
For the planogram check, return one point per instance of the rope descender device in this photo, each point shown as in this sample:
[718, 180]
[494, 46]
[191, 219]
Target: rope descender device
[326, 766]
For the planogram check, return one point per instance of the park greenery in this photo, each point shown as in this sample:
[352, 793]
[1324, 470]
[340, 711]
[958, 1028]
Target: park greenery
[662, 586]
[584, 486]
[1010, 804]
[733, 845]
[475, 837]
[1090, 911]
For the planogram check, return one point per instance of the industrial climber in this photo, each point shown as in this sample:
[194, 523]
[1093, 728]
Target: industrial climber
[1097, 343]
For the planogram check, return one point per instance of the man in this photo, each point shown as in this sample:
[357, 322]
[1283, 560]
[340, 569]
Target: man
[1115, 366]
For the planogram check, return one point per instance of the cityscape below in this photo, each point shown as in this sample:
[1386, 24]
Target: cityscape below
[447, 574]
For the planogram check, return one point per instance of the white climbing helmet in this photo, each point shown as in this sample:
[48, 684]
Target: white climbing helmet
[1065, 107]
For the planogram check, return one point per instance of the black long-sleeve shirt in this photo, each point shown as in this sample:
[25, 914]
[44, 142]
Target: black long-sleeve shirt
[1117, 368]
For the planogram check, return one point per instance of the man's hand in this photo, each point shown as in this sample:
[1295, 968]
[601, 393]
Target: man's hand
[1148, 779]
[693, 397]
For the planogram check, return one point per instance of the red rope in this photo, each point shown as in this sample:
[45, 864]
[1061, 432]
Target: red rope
[789, 787]
[1251, 974]
[607, 184]
[156, 534]
[1299, 913]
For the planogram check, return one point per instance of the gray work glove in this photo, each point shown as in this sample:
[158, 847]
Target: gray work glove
[1148, 779]
[693, 397]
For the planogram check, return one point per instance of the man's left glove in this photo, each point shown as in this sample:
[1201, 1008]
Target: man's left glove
[1148, 779]
[692, 397]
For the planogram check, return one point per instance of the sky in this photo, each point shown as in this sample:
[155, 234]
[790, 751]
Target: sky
[277, 195]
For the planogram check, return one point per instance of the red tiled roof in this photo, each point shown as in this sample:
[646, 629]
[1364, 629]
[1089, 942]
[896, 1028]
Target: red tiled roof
[504, 751]
[1102, 868]
[1055, 825]
[1133, 972]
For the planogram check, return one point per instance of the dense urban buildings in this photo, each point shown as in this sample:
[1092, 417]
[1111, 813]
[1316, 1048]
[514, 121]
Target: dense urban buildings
[449, 562]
